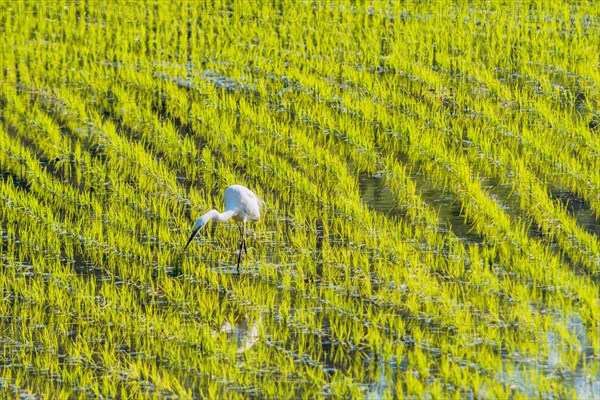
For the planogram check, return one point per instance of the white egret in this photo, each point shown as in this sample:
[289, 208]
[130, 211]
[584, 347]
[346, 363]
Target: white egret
[242, 205]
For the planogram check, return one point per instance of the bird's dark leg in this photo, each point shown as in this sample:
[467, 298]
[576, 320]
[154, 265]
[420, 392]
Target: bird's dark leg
[242, 246]
[244, 239]
[240, 256]
[243, 236]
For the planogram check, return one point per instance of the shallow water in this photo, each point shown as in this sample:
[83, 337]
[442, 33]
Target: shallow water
[579, 208]
[377, 196]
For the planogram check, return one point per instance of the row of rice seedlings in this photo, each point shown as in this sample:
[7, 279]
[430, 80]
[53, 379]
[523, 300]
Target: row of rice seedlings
[182, 293]
[560, 153]
[575, 233]
[540, 157]
[224, 170]
[586, 141]
[67, 197]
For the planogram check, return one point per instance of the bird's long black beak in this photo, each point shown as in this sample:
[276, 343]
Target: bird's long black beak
[191, 237]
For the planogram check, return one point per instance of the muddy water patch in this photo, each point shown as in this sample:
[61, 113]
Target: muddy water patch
[578, 208]
[377, 195]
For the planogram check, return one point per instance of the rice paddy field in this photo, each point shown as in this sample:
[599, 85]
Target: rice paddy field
[431, 179]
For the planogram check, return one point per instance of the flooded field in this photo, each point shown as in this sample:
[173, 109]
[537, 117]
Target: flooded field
[431, 182]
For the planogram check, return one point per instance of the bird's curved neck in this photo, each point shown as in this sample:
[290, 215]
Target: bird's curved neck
[217, 216]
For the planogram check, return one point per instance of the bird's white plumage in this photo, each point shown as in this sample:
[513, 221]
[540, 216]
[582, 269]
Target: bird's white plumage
[241, 204]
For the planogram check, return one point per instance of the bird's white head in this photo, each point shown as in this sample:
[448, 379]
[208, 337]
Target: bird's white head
[200, 222]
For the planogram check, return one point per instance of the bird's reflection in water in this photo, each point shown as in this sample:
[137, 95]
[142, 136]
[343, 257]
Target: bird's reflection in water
[243, 329]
